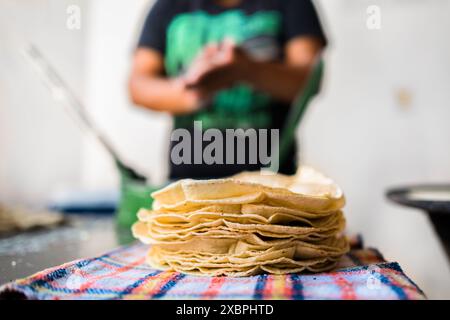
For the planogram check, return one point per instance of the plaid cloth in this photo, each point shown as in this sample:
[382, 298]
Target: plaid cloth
[123, 274]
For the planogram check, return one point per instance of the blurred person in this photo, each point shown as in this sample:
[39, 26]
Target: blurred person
[226, 63]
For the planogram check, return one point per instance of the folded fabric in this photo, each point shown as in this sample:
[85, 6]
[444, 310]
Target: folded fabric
[123, 274]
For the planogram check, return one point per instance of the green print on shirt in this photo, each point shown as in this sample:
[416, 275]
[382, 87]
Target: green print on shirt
[239, 106]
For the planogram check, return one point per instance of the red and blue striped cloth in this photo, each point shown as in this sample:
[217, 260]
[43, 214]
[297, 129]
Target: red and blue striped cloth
[123, 274]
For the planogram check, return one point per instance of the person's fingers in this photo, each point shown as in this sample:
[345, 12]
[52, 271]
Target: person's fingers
[229, 48]
[195, 71]
[194, 75]
[229, 43]
[226, 55]
[204, 55]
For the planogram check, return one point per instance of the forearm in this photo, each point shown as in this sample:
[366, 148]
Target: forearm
[160, 94]
[280, 80]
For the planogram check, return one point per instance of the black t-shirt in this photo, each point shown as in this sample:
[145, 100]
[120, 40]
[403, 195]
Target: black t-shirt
[179, 29]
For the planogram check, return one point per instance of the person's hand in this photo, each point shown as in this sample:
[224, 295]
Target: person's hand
[217, 67]
[205, 61]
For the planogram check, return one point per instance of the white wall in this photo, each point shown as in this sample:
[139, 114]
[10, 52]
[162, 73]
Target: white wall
[140, 136]
[361, 133]
[359, 130]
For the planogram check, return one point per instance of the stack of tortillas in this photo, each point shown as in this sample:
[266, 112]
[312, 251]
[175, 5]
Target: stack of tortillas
[14, 219]
[246, 224]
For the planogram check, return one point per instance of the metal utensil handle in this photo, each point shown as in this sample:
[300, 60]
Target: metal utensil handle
[63, 93]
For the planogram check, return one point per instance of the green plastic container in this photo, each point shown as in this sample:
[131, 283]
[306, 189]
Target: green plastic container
[134, 195]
